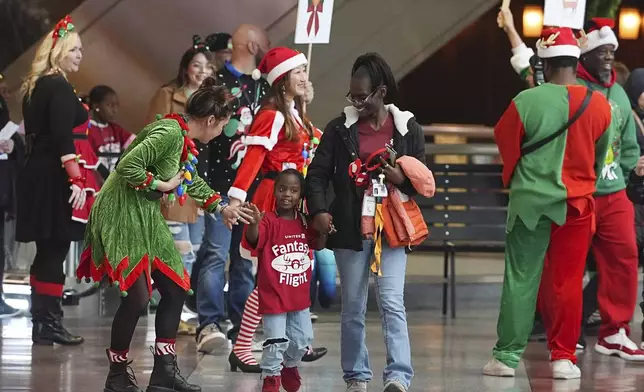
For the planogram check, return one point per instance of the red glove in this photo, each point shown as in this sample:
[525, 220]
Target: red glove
[73, 172]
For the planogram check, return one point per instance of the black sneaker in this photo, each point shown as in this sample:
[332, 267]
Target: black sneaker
[7, 311]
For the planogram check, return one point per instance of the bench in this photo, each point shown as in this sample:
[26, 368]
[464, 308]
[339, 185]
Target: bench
[467, 214]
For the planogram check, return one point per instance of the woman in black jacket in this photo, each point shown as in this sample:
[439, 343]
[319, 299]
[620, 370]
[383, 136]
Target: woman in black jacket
[368, 125]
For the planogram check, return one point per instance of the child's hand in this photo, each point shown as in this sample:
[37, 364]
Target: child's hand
[256, 215]
[639, 168]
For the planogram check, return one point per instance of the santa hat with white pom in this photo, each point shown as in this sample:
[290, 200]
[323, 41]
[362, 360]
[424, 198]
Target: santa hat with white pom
[278, 62]
[599, 32]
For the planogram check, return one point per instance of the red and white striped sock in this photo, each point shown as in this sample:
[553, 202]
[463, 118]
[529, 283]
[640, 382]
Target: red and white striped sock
[117, 356]
[250, 320]
[164, 347]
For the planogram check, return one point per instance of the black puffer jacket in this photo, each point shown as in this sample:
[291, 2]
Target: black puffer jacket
[331, 165]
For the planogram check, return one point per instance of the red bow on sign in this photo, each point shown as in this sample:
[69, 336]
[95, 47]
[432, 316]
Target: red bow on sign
[314, 18]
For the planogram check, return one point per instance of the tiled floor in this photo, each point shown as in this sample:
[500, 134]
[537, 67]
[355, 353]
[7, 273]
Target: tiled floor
[448, 356]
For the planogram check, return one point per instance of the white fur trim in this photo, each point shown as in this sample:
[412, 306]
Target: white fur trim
[286, 66]
[237, 194]
[558, 51]
[521, 56]
[597, 38]
[401, 118]
[271, 141]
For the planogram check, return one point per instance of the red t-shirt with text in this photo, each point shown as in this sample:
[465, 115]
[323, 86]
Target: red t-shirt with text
[284, 264]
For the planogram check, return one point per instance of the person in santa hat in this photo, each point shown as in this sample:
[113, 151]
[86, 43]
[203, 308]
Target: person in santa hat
[551, 209]
[280, 138]
[614, 246]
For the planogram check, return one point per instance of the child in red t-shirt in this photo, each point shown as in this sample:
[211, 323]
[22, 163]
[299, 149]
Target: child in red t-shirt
[108, 139]
[284, 243]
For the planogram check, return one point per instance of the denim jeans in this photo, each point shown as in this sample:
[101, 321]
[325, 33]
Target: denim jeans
[354, 281]
[189, 232]
[288, 336]
[218, 244]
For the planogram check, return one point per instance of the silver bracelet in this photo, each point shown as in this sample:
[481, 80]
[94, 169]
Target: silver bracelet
[221, 207]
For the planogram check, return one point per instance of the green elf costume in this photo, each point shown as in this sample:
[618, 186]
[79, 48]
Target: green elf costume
[553, 140]
[614, 246]
[128, 240]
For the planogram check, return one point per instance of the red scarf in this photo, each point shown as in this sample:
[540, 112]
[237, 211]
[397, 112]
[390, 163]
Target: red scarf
[314, 18]
[585, 75]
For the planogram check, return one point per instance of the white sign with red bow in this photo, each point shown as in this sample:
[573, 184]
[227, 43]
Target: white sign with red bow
[564, 13]
[314, 21]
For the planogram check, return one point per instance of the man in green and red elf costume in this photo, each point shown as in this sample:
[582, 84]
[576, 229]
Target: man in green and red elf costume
[551, 211]
[614, 245]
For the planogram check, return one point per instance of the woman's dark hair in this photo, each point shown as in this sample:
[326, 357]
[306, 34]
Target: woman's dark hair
[373, 66]
[181, 79]
[210, 100]
[291, 172]
[98, 94]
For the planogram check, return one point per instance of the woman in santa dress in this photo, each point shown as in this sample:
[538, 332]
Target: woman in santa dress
[279, 138]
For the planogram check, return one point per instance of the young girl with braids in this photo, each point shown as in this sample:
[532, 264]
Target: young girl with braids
[135, 245]
[278, 139]
[284, 242]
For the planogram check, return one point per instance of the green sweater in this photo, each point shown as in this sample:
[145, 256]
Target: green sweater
[623, 151]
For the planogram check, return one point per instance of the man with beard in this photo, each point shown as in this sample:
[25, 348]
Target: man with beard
[243, 79]
[552, 139]
[614, 245]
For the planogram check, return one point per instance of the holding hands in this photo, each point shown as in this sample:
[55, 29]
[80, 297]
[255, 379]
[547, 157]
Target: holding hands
[233, 214]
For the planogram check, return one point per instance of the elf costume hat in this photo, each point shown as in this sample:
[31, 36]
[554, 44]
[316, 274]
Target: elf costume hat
[599, 31]
[557, 42]
[280, 61]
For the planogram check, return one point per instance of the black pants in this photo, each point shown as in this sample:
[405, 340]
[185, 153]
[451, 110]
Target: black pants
[168, 312]
[47, 270]
[2, 255]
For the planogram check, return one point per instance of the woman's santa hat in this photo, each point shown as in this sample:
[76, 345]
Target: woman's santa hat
[278, 62]
[558, 42]
[599, 31]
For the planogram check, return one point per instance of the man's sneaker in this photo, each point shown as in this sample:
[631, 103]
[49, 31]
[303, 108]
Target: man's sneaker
[186, 328]
[356, 386]
[257, 346]
[564, 369]
[314, 317]
[394, 386]
[6, 310]
[581, 343]
[210, 339]
[498, 369]
[620, 345]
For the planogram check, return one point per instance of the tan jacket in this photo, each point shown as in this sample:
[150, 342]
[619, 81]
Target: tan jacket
[171, 99]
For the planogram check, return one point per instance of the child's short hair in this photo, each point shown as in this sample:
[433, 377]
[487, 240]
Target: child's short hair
[290, 172]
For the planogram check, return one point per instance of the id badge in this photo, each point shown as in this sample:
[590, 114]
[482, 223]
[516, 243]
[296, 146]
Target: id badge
[379, 189]
[368, 206]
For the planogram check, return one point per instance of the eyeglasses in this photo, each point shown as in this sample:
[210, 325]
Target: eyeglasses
[361, 102]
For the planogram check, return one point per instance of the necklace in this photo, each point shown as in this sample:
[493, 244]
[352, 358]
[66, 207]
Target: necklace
[188, 160]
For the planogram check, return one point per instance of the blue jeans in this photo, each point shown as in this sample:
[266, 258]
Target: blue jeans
[218, 244]
[190, 233]
[354, 281]
[288, 336]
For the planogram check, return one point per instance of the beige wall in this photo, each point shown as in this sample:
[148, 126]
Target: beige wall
[135, 48]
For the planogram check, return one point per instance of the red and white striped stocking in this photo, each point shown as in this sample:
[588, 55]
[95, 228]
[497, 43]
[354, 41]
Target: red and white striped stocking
[117, 356]
[250, 320]
[164, 347]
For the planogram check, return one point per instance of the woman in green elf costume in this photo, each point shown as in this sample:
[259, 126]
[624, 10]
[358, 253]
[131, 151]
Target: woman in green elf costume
[128, 240]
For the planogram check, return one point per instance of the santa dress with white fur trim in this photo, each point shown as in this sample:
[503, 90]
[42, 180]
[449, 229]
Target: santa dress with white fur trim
[270, 152]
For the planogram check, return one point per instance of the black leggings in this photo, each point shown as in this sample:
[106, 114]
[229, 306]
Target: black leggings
[168, 312]
[49, 261]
